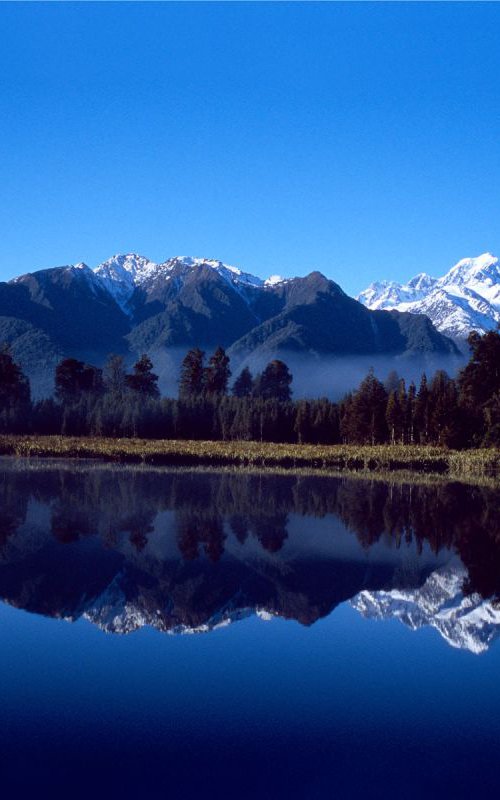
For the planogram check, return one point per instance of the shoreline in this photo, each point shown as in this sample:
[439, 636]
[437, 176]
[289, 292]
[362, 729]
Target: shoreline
[417, 459]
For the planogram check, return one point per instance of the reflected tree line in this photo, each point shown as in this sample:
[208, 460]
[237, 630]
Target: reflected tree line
[208, 508]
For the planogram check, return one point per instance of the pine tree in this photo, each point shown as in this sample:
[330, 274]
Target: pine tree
[302, 426]
[14, 386]
[143, 380]
[74, 377]
[422, 411]
[479, 387]
[391, 383]
[403, 405]
[217, 373]
[115, 377]
[15, 400]
[410, 413]
[274, 382]
[243, 385]
[192, 374]
[367, 423]
[394, 416]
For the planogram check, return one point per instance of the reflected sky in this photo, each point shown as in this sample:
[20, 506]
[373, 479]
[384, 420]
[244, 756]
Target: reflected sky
[299, 692]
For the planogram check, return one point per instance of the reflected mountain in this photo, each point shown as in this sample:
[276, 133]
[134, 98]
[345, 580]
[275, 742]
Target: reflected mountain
[468, 621]
[188, 551]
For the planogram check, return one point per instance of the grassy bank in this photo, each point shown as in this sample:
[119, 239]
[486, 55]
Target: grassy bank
[380, 458]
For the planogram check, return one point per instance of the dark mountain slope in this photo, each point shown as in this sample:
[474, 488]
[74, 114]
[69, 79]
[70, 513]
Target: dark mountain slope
[194, 307]
[318, 316]
[72, 311]
[58, 312]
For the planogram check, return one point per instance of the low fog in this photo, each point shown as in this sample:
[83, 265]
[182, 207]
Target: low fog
[314, 375]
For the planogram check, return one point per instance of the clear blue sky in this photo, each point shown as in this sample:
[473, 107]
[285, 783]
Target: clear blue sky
[359, 139]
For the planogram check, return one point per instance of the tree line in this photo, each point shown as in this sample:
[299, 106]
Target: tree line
[89, 401]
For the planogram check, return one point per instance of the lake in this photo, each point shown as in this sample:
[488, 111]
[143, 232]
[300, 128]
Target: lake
[188, 633]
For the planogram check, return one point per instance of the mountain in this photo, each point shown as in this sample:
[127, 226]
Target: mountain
[465, 299]
[466, 622]
[190, 550]
[130, 305]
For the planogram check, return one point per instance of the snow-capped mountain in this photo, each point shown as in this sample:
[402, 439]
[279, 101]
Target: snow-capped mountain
[132, 305]
[466, 622]
[122, 274]
[465, 299]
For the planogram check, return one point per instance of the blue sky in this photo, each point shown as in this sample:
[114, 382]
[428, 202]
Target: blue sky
[359, 139]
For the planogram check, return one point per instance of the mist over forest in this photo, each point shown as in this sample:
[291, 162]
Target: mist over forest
[314, 375]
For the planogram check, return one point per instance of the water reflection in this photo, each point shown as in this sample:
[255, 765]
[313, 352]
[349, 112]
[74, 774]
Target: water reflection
[188, 550]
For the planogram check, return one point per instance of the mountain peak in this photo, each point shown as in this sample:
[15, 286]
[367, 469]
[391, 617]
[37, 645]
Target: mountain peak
[470, 268]
[465, 622]
[466, 298]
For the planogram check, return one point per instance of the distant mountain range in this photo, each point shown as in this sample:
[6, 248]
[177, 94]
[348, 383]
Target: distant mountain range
[131, 305]
[466, 298]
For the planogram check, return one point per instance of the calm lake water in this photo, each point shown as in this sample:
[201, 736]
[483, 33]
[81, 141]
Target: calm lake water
[178, 634]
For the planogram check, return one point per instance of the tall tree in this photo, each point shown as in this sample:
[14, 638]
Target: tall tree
[394, 416]
[423, 411]
[143, 380]
[391, 383]
[192, 374]
[217, 373]
[410, 413]
[243, 385]
[274, 382]
[479, 386]
[115, 376]
[73, 378]
[368, 423]
[303, 422]
[14, 386]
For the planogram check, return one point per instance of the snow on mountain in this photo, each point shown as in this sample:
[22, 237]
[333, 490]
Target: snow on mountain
[383, 295]
[465, 622]
[273, 280]
[122, 274]
[466, 298]
[229, 273]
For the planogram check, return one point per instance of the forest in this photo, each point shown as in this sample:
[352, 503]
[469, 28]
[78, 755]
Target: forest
[456, 413]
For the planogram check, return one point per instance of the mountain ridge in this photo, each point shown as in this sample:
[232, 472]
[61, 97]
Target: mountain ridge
[130, 305]
[464, 299]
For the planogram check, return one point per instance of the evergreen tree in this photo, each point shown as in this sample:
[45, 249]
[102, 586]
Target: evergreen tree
[480, 379]
[367, 424]
[73, 378]
[115, 377]
[302, 425]
[423, 411]
[394, 416]
[274, 382]
[346, 421]
[403, 405]
[479, 386]
[192, 374]
[410, 413]
[143, 380]
[241, 427]
[14, 386]
[444, 410]
[391, 383]
[217, 373]
[243, 385]
[15, 401]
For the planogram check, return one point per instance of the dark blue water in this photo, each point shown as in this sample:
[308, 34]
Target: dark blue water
[339, 652]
